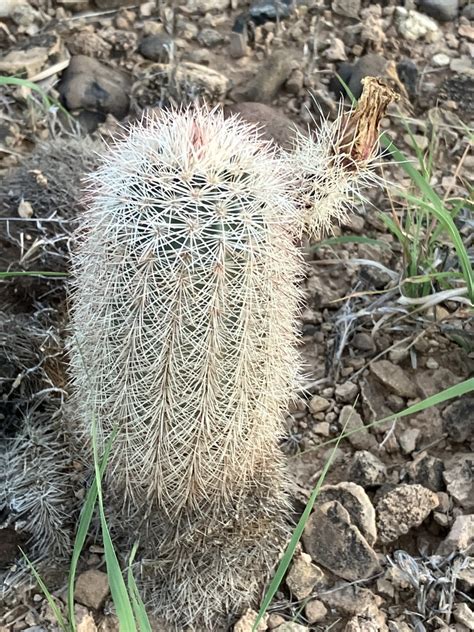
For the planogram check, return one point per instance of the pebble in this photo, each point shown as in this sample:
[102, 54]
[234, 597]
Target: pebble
[315, 611]
[413, 25]
[271, 75]
[304, 576]
[336, 51]
[459, 478]
[347, 8]
[92, 589]
[464, 615]
[366, 469]
[363, 342]
[440, 60]
[318, 404]
[441, 10]
[350, 421]
[428, 471]
[467, 31]
[346, 392]
[408, 440]
[394, 378]
[206, 6]
[247, 621]
[402, 508]
[458, 419]
[87, 84]
[210, 38]
[460, 537]
[156, 47]
[337, 544]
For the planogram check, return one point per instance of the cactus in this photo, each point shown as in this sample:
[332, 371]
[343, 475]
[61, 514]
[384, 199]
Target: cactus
[50, 179]
[35, 488]
[186, 292]
[338, 160]
[184, 332]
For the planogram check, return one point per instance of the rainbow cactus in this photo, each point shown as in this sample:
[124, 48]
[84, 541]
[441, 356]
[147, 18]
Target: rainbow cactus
[184, 320]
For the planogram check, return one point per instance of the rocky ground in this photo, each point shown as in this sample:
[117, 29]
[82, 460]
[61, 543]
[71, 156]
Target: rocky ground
[389, 545]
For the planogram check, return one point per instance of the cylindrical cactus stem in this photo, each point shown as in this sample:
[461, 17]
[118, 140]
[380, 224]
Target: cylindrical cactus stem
[184, 339]
[338, 160]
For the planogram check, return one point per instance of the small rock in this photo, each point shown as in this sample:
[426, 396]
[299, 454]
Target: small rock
[468, 11]
[274, 620]
[367, 470]
[92, 589]
[210, 37]
[440, 60]
[86, 623]
[394, 378]
[262, 11]
[111, 4]
[464, 615]
[416, 141]
[303, 576]
[24, 62]
[466, 576]
[238, 45]
[460, 537]
[347, 8]
[428, 471]
[247, 621]
[156, 47]
[413, 25]
[441, 10]
[363, 342]
[374, 621]
[291, 626]
[25, 209]
[332, 541]
[346, 392]
[408, 440]
[351, 421]
[207, 6]
[431, 382]
[458, 419]
[318, 404]
[315, 611]
[336, 51]
[295, 82]
[402, 508]
[354, 500]
[272, 74]
[459, 477]
[24, 15]
[323, 429]
[87, 84]
[350, 600]
[201, 79]
[273, 125]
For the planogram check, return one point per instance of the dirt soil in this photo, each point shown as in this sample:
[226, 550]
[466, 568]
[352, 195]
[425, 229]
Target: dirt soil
[390, 545]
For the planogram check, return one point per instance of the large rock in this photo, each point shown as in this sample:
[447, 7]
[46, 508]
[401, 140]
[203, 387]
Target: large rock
[89, 85]
[338, 545]
[402, 508]
[355, 500]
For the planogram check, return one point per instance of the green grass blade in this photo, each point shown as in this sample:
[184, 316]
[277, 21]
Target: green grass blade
[82, 531]
[347, 239]
[137, 603]
[47, 101]
[35, 273]
[290, 549]
[118, 589]
[49, 597]
[436, 208]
